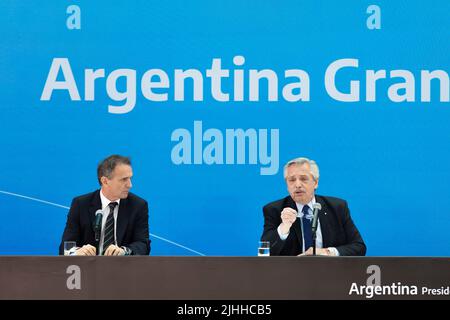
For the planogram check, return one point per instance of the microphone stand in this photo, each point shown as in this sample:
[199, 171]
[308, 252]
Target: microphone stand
[314, 226]
[97, 238]
[97, 229]
[314, 242]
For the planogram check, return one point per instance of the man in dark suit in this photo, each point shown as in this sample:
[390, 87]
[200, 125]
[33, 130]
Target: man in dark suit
[287, 222]
[124, 224]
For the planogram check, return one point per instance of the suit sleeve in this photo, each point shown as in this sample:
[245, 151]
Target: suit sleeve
[141, 241]
[355, 245]
[72, 229]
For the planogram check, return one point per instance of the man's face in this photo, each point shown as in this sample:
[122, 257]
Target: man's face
[118, 186]
[300, 183]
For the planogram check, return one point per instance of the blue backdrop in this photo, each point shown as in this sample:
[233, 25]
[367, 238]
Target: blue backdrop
[390, 160]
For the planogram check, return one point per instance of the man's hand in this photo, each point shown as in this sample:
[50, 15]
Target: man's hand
[319, 252]
[86, 250]
[114, 250]
[288, 217]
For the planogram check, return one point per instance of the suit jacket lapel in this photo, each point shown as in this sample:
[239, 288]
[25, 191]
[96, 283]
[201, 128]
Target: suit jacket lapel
[324, 222]
[96, 203]
[122, 220]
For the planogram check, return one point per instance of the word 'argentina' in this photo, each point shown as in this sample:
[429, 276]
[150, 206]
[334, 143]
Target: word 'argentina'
[234, 146]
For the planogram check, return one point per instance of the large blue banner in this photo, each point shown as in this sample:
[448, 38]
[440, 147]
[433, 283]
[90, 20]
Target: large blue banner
[210, 99]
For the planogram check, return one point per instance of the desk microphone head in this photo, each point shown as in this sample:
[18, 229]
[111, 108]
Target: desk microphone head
[316, 207]
[98, 224]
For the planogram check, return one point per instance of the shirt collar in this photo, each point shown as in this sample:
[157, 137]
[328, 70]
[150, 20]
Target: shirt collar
[106, 201]
[300, 207]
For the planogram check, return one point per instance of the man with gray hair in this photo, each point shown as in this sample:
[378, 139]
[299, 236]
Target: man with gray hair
[287, 222]
[122, 227]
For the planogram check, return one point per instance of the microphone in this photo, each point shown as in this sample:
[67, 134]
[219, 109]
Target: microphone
[316, 206]
[98, 224]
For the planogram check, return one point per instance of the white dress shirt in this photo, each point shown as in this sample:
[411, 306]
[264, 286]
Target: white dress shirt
[106, 213]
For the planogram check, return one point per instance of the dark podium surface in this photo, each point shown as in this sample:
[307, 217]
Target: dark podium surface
[223, 278]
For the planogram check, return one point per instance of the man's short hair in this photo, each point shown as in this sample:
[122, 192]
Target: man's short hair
[107, 166]
[299, 161]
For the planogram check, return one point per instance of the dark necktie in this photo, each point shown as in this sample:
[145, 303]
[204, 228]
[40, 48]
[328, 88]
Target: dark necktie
[109, 227]
[307, 232]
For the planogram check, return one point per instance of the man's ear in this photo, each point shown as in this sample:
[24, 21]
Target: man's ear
[103, 180]
[317, 184]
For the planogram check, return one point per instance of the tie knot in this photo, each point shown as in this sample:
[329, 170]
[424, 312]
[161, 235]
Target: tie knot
[112, 205]
[305, 211]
